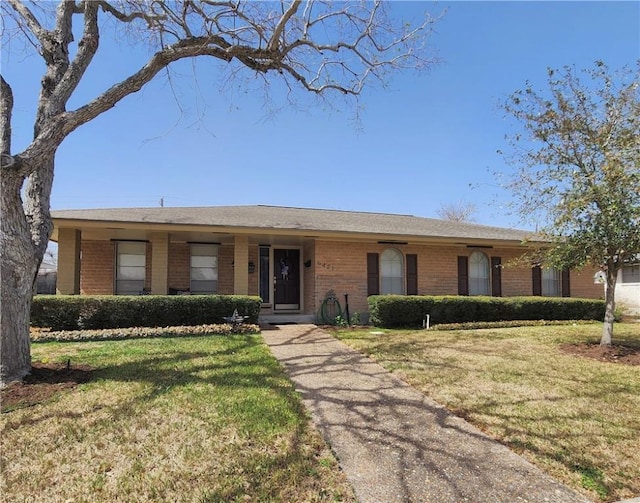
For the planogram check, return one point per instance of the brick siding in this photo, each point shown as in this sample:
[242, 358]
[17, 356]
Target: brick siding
[97, 267]
[340, 266]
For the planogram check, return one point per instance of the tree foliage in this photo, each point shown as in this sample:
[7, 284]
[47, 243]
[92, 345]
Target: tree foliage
[577, 154]
[326, 48]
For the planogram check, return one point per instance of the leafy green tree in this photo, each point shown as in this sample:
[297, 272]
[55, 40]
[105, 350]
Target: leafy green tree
[577, 153]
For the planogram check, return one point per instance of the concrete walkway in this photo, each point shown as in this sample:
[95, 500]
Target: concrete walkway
[395, 444]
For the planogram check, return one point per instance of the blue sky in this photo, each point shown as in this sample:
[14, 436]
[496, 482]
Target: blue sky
[428, 140]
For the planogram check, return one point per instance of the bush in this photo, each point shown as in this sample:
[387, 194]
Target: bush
[76, 312]
[395, 311]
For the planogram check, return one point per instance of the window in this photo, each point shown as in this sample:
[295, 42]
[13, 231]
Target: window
[130, 267]
[550, 282]
[631, 274]
[391, 272]
[204, 268]
[478, 274]
[265, 276]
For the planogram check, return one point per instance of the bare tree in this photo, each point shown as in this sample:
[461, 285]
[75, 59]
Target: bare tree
[326, 48]
[457, 212]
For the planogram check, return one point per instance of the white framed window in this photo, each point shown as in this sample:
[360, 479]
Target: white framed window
[479, 281]
[391, 272]
[204, 268]
[550, 282]
[631, 274]
[131, 261]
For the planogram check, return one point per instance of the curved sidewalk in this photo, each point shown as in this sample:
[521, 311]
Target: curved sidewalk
[394, 443]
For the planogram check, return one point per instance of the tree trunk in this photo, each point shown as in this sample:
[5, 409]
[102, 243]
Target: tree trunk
[610, 306]
[25, 230]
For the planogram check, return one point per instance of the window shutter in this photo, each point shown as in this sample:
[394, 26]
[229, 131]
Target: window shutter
[536, 279]
[566, 287]
[373, 275]
[463, 276]
[412, 274]
[496, 276]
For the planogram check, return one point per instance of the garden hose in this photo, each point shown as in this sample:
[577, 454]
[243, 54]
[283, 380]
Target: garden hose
[330, 310]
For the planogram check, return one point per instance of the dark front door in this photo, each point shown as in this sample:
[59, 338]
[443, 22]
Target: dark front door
[286, 285]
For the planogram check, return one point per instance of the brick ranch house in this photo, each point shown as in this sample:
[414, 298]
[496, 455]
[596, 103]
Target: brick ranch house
[292, 257]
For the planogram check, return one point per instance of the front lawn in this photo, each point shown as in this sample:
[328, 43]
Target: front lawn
[189, 419]
[576, 418]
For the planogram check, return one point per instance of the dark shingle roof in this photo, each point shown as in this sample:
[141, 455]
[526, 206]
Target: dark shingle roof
[298, 219]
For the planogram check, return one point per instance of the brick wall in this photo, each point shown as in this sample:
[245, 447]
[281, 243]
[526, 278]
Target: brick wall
[334, 265]
[309, 280]
[581, 283]
[97, 267]
[179, 266]
[342, 267]
[225, 270]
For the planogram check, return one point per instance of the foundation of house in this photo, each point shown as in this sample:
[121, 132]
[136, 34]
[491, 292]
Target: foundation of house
[286, 318]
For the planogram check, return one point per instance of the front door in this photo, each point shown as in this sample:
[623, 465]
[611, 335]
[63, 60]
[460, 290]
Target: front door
[286, 284]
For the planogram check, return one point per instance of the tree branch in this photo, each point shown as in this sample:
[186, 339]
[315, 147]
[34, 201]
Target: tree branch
[31, 21]
[132, 16]
[6, 110]
[279, 29]
[87, 48]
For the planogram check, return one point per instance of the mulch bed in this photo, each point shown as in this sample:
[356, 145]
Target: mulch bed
[45, 381]
[617, 353]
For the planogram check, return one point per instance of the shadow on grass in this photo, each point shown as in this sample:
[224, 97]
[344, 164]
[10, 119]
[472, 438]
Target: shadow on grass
[236, 384]
[241, 363]
[560, 445]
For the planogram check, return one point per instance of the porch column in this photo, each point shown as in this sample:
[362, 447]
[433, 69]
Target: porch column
[68, 281]
[241, 265]
[160, 264]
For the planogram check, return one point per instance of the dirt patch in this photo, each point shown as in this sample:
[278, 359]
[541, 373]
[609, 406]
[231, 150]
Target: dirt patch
[45, 381]
[626, 355]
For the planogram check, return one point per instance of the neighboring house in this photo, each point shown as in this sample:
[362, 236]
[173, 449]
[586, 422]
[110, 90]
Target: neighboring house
[46, 280]
[628, 289]
[293, 257]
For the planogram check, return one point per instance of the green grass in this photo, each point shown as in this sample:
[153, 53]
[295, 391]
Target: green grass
[576, 418]
[196, 419]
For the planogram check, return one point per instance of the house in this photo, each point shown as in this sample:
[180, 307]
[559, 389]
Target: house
[628, 289]
[294, 258]
[46, 279]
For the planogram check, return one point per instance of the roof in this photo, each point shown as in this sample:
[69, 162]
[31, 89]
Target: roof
[259, 217]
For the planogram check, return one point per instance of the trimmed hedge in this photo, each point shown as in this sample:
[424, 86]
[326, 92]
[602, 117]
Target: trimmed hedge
[79, 312]
[395, 311]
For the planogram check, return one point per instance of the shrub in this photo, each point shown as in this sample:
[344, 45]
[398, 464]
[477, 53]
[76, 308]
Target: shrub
[76, 312]
[394, 311]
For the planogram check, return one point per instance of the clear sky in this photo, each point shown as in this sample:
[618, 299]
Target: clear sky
[428, 140]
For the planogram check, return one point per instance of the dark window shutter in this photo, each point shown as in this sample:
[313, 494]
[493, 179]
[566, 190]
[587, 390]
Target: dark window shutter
[536, 279]
[496, 276]
[412, 274]
[373, 276]
[566, 287]
[463, 276]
